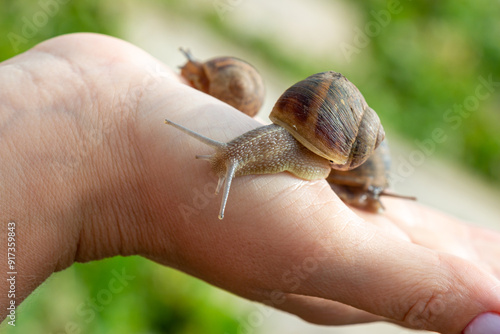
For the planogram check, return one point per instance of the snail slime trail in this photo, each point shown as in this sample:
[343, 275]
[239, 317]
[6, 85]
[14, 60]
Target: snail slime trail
[320, 122]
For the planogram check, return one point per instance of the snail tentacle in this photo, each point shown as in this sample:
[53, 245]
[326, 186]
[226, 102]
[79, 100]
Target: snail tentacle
[202, 138]
[231, 170]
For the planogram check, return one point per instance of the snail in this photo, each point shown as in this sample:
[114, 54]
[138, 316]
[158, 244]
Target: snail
[228, 79]
[320, 122]
[362, 186]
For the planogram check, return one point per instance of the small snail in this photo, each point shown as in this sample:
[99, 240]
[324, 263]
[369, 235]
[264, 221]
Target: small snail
[228, 79]
[362, 186]
[320, 122]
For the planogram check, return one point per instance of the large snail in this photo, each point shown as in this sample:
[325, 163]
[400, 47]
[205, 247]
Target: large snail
[229, 79]
[319, 123]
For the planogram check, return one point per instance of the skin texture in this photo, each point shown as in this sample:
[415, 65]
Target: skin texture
[89, 170]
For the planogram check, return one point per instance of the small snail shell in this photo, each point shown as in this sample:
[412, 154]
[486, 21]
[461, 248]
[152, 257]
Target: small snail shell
[314, 118]
[228, 79]
[362, 187]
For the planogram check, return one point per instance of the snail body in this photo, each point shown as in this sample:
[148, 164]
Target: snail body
[363, 186]
[320, 122]
[228, 79]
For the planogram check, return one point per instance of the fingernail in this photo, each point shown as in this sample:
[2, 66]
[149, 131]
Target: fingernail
[486, 323]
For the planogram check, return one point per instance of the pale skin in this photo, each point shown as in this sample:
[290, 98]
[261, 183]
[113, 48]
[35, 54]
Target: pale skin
[89, 170]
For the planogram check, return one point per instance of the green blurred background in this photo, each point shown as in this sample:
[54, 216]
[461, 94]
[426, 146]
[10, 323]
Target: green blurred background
[414, 61]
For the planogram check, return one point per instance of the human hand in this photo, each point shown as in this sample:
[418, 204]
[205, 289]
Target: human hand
[96, 173]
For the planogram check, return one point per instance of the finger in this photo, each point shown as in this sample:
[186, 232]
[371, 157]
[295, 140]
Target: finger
[412, 285]
[361, 266]
[322, 311]
[438, 231]
[430, 228]
[487, 244]
[382, 221]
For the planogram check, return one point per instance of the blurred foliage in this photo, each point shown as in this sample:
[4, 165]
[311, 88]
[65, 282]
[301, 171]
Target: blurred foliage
[429, 58]
[27, 23]
[125, 295]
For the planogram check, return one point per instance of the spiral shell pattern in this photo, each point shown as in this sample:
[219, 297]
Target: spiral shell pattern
[328, 114]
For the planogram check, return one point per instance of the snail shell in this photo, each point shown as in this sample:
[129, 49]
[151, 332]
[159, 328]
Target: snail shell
[228, 79]
[327, 114]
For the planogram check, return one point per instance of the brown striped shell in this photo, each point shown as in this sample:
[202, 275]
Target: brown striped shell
[327, 114]
[228, 79]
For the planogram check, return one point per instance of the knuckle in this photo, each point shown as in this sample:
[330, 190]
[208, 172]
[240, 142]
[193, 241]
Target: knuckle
[425, 311]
